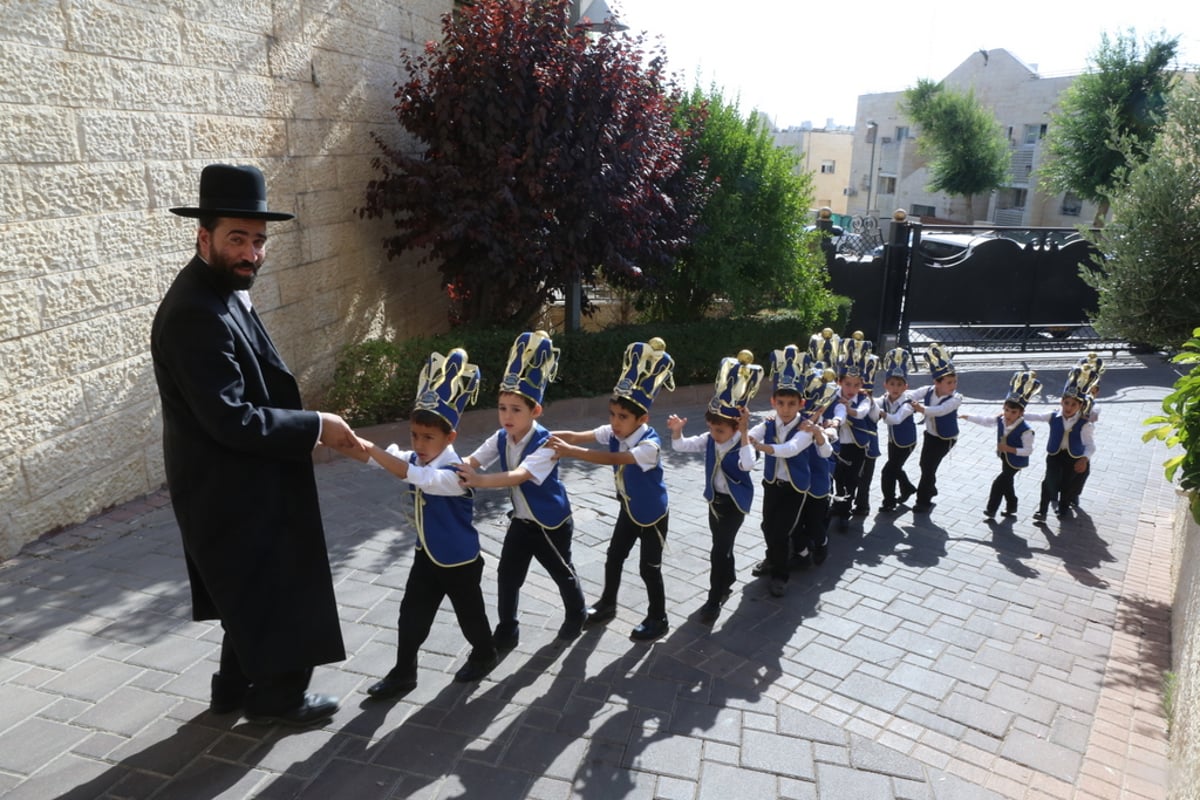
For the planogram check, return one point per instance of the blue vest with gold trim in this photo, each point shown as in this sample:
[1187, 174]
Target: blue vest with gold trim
[946, 426]
[1013, 440]
[798, 465]
[548, 501]
[741, 486]
[1074, 438]
[445, 525]
[642, 492]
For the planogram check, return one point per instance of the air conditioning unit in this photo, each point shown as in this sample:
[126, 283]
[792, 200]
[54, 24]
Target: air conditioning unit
[850, 191]
[886, 140]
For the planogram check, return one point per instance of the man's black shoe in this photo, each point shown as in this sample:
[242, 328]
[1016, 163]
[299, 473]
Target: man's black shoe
[476, 669]
[599, 614]
[650, 629]
[394, 684]
[227, 695]
[315, 708]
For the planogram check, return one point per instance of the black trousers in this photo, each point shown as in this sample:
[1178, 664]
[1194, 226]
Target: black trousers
[893, 471]
[724, 521]
[1002, 488]
[846, 477]
[781, 509]
[525, 541]
[653, 538]
[933, 450]
[1061, 482]
[862, 495]
[265, 694]
[427, 585]
[814, 522]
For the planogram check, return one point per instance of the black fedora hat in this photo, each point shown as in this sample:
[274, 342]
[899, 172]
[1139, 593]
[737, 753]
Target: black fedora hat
[228, 191]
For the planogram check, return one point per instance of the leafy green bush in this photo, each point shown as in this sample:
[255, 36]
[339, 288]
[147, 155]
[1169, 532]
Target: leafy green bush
[1180, 425]
[375, 381]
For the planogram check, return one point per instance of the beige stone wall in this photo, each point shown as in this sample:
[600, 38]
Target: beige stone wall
[108, 111]
[1185, 656]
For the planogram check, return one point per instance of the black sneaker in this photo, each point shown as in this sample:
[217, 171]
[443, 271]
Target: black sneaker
[1039, 515]
[650, 629]
[821, 552]
[761, 568]
[506, 639]
[476, 669]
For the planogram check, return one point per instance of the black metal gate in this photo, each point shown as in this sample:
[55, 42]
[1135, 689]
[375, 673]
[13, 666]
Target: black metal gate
[974, 289]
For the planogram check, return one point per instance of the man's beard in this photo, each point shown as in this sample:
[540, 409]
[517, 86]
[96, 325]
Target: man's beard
[227, 277]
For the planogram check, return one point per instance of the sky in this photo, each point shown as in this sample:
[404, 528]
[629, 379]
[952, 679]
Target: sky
[802, 62]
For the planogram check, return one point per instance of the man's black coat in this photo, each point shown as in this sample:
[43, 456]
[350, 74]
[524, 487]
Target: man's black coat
[238, 451]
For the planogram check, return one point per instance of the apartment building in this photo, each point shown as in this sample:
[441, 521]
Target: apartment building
[826, 154]
[888, 172]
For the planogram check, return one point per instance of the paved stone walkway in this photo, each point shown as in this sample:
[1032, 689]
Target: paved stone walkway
[932, 657]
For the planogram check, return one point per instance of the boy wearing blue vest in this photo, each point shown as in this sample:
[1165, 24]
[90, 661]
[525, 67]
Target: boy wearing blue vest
[939, 403]
[1014, 441]
[896, 411]
[540, 524]
[858, 437]
[448, 561]
[633, 451]
[728, 459]
[1070, 446]
[820, 392]
[783, 438]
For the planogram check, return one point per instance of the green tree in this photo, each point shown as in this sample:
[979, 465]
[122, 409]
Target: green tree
[748, 248]
[967, 150]
[545, 156]
[1150, 284]
[1109, 118]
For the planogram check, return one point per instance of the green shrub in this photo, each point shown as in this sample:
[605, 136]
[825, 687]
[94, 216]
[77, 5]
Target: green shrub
[375, 381]
[1180, 424]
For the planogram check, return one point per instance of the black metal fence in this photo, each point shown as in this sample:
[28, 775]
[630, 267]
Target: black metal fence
[975, 289]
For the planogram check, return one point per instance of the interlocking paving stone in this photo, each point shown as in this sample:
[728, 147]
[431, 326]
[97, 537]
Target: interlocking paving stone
[867, 663]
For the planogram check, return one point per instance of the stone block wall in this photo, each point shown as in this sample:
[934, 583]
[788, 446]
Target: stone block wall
[1185, 655]
[108, 111]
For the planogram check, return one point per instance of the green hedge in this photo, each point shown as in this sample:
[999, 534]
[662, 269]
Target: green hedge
[375, 381]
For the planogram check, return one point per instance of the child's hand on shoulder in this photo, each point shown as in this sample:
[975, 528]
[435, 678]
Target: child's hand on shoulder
[560, 447]
[466, 474]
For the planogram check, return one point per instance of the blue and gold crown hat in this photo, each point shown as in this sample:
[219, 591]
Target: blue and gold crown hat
[853, 357]
[647, 369]
[447, 384]
[820, 389]
[532, 363]
[938, 359]
[737, 381]
[1080, 380]
[897, 363]
[1023, 386]
[1096, 364]
[824, 347]
[788, 368]
[870, 370]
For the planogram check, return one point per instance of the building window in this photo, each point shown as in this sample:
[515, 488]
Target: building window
[921, 210]
[1072, 206]
[827, 167]
[887, 185]
[902, 133]
[1034, 133]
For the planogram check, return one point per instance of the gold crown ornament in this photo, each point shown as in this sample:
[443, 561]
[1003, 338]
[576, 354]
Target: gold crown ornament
[447, 384]
[897, 363]
[647, 369]
[532, 363]
[824, 347]
[820, 390]
[737, 381]
[1023, 386]
[853, 357]
[788, 368]
[938, 359]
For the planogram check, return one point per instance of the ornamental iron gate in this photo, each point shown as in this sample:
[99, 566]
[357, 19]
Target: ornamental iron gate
[974, 289]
